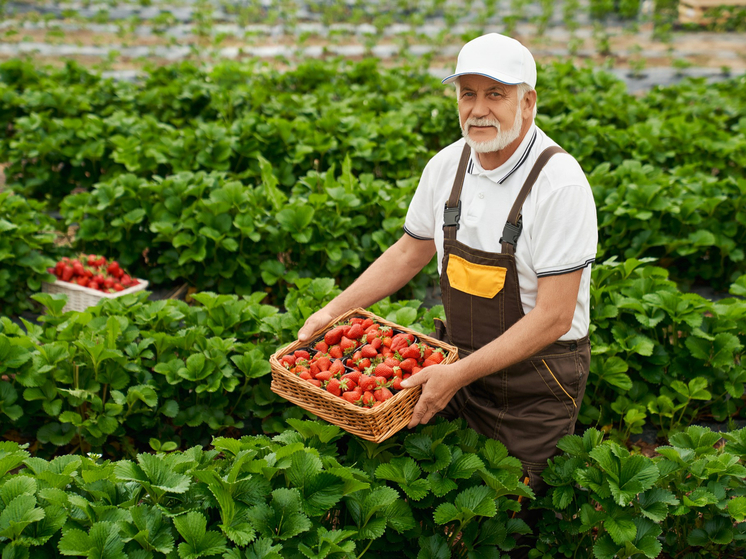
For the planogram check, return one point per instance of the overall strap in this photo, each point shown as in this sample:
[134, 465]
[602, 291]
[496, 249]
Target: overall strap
[452, 211]
[514, 225]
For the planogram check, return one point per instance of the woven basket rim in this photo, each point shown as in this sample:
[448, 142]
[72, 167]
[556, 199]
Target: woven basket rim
[95, 292]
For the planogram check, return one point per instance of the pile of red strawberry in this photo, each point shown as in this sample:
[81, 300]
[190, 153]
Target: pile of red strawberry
[362, 361]
[93, 271]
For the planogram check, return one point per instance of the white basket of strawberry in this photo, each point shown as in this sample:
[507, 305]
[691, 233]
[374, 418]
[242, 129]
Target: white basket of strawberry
[89, 278]
[352, 375]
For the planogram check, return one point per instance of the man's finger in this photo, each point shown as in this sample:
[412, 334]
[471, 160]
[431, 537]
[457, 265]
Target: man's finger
[416, 416]
[415, 380]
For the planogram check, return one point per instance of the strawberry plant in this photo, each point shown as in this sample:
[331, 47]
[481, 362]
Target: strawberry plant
[296, 495]
[129, 370]
[683, 503]
[26, 247]
[221, 235]
[660, 354]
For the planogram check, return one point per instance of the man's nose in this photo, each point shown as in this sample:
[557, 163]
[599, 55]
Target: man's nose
[480, 107]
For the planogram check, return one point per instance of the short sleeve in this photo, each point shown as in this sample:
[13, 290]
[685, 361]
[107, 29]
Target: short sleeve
[565, 232]
[420, 220]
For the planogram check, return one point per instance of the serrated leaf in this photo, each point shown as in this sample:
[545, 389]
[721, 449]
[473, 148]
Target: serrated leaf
[621, 530]
[198, 541]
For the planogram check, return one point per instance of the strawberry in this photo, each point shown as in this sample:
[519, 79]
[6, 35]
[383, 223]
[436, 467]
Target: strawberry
[368, 351]
[428, 362]
[408, 364]
[363, 364]
[315, 369]
[382, 394]
[322, 346]
[367, 323]
[356, 320]
[108, 282]
[125, 280]
[355, 332]
[333, 336]
[383, 370]
[392, 362]
[347, 344]
[354, 376]
[357, 356]
[367, 383]
[324, 363]
[303, 354]
[368, 399]
[376, 343]
[305, 375]
[337, 368]
[78, 269]
[353, 396]
[324, 375]
[336, 352]
[427, 351]
[416, 370]
[334, 387]
[397, 383]
[386, 341]
[437, 356]
[315, 382]
[289, 359]
[67, 273]
[412, 351]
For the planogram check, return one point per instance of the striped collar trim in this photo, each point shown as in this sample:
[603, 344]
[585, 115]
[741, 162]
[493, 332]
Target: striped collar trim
[472, 170]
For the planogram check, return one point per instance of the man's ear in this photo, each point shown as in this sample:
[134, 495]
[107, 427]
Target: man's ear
[528, 103]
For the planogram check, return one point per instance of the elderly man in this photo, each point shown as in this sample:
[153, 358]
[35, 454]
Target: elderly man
[512, 219]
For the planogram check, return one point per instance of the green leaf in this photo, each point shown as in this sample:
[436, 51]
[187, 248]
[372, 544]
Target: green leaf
[18, 514]
[737, 509]
[433, 547]
[621, 531]
[283, 518]
[198, 542]
[102, 542]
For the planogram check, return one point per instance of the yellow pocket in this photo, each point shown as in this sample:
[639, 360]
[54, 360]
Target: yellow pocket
[475, 279]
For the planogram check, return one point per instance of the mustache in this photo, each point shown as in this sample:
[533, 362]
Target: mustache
[473, 121]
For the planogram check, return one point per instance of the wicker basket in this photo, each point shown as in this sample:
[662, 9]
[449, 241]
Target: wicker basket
[373, 424]
[79, 298]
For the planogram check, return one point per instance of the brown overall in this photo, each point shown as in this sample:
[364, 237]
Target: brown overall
[532, 404]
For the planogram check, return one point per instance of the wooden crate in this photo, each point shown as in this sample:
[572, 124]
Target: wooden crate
[373, 424]
[693, 11]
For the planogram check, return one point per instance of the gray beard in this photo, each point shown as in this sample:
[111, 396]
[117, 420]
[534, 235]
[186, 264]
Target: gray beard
[502, 139]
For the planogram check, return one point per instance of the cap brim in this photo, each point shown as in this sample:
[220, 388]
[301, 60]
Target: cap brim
[497, 77]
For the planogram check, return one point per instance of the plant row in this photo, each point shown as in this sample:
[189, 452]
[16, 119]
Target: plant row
[309, 492]
[194, 170]
[312, 492]
[130, 369]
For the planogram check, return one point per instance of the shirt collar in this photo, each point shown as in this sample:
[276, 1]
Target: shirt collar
[501, 173]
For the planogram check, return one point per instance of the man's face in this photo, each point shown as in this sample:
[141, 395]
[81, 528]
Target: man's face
[489, 111]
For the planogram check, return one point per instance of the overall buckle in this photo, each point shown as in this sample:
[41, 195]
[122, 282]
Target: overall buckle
[451, 216]
[512, 232]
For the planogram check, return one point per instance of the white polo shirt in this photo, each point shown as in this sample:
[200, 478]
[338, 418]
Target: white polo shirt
[560, 231]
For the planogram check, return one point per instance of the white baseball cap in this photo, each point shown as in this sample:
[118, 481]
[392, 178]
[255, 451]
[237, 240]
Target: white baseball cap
[498, 57]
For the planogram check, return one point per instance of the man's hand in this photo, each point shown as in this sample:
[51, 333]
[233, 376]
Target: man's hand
[439, 384]
[315, 322]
